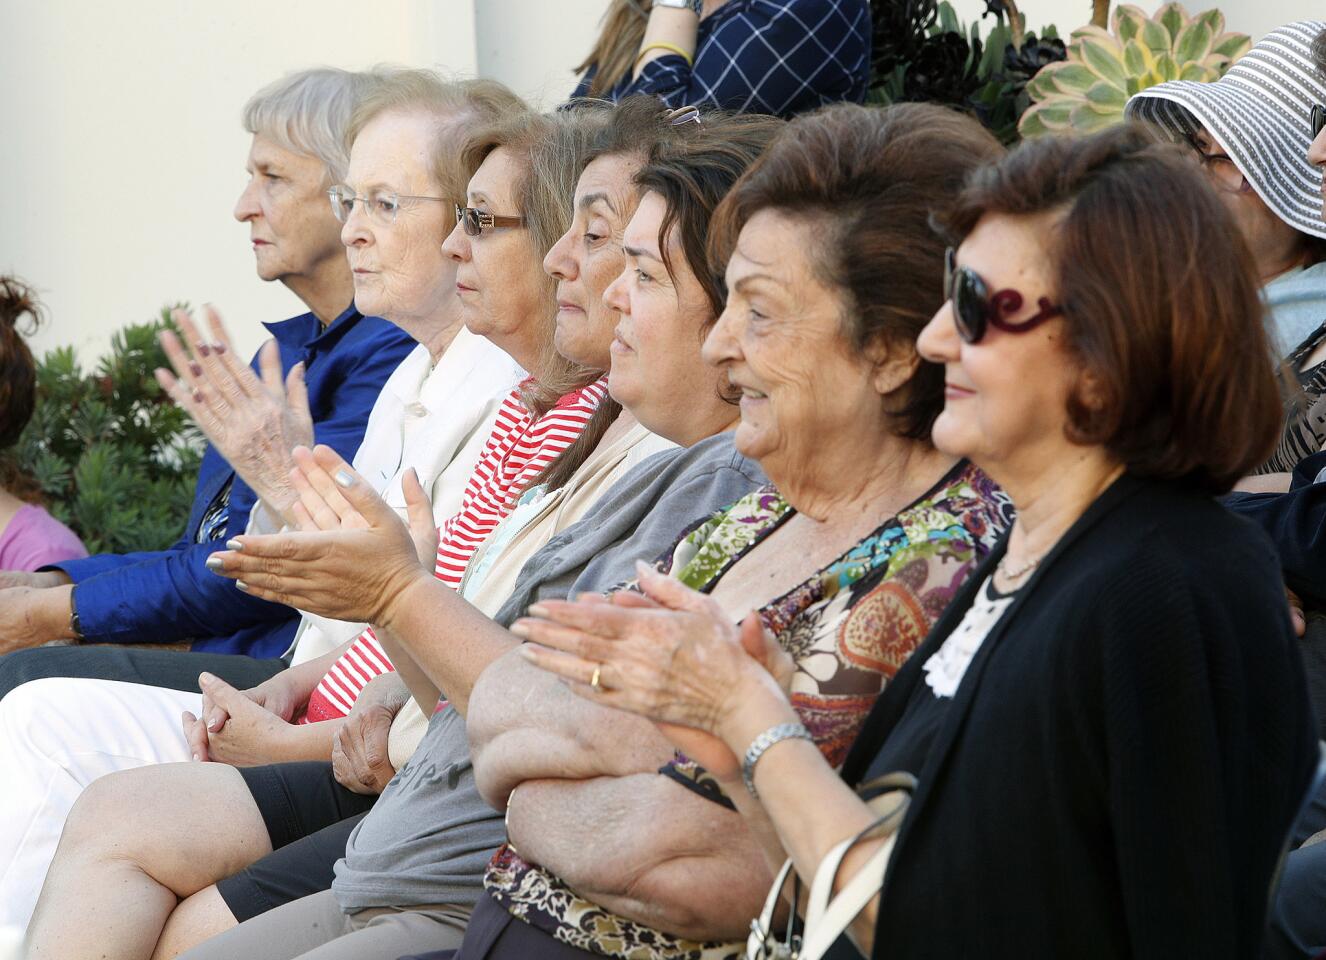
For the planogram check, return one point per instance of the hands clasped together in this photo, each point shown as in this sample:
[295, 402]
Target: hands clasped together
[256, 726]
[670, 654]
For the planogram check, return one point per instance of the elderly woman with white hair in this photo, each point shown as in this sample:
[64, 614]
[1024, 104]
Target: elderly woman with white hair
[168, 596]
[1257, 134]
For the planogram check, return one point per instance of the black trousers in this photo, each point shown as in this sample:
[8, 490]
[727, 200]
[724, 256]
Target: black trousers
[309, 817]
[173, 669]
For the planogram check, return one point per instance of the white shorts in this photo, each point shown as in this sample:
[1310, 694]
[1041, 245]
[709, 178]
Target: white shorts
[57, 735]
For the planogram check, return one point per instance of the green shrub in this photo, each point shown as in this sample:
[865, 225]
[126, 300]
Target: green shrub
[113, 457]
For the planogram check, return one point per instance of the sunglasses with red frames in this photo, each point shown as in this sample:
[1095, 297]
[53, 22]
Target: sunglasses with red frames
[975, 308]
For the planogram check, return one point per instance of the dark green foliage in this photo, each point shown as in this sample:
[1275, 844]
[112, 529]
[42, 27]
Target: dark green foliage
[923, 52]
[113, 457]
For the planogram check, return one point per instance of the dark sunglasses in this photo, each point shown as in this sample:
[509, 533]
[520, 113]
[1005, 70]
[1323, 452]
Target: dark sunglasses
[975, 308]
[476, 221]
[1318, 119]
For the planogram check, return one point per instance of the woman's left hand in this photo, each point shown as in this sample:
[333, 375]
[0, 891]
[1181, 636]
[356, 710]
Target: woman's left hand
[253, 421]
[677, 660]
[352, 558]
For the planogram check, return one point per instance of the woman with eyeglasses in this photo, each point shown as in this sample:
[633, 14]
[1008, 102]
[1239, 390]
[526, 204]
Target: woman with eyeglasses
[1317, 152]
[1256, 153]
[402, 232]
[1108, 725]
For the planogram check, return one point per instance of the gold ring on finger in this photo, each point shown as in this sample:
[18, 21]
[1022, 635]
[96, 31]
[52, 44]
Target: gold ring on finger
[594, 680]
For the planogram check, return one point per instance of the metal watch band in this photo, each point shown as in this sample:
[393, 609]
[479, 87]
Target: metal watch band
[781, 731]
[695, 6]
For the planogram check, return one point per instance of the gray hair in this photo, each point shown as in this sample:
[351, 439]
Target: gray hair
[481, 103]
[309, 112]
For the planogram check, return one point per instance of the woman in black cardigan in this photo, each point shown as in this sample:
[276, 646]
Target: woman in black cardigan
[1109, 724]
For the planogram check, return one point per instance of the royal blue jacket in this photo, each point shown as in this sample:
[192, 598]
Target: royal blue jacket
[168, 596]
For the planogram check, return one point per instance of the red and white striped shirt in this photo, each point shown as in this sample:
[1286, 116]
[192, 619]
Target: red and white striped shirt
[519, 448]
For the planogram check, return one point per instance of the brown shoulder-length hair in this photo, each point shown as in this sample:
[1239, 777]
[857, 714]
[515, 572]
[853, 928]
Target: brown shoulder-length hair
[867, 181]
[617, 46]
[550, 151]
[634, 126]
[1160, 301]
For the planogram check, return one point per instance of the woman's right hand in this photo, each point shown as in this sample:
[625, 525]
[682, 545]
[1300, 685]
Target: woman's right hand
[352, 558]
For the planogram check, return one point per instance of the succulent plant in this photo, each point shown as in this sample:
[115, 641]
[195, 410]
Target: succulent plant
[1104, 68]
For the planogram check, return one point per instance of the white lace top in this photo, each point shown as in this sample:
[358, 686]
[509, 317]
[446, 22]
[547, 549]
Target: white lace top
[947, 665]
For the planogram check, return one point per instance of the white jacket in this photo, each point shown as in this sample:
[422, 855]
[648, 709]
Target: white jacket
[436, 420]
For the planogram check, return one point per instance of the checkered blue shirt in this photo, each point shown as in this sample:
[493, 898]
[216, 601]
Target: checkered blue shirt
[779, 57]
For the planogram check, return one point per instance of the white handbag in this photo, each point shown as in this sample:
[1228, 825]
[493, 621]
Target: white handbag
[827, 916]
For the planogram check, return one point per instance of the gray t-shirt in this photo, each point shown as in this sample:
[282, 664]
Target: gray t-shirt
[430, 835]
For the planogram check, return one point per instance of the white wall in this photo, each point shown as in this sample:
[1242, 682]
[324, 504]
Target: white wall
[123, 152]
[532, 45]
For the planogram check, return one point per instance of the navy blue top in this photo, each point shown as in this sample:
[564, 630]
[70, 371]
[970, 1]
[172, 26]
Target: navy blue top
[780, 57]
[168, 596]
[1296, 523]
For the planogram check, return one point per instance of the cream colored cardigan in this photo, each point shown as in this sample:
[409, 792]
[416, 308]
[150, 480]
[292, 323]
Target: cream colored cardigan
[489, 580]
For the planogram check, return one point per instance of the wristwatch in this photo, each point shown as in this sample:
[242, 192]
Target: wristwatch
[692, 5]
[75, 624]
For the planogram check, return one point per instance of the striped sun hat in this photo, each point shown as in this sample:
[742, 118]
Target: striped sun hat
[1259, 113]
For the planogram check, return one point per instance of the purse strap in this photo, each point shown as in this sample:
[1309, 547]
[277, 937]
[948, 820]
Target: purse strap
[827, 919]
[828, 916]
[763, 942]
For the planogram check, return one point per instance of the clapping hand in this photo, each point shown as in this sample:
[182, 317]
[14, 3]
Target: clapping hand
[351, 558]
[671, 655]
[254, 422]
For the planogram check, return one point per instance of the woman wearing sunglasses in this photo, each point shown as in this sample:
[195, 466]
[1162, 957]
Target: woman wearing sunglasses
[1108, 725]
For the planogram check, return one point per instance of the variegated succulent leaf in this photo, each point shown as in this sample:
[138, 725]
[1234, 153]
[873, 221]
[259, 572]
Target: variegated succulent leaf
[1088, 91]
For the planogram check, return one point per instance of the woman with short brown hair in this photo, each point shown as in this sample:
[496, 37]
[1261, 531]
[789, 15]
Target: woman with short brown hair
[1108, 725]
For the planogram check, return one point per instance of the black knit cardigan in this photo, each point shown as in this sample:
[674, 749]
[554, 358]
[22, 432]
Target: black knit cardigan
[1118, 771]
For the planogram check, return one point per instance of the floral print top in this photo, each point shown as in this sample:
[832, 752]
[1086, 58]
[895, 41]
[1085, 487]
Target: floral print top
[848, 627]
